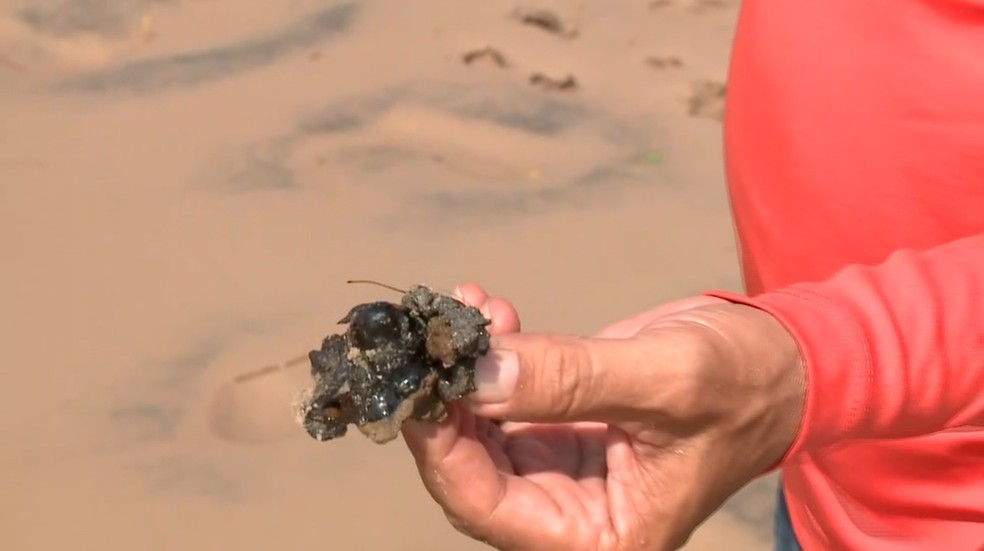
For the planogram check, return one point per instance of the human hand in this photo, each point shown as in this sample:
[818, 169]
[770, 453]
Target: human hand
[625, 441]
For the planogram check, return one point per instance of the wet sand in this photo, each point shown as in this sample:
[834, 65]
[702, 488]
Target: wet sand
[186, 185]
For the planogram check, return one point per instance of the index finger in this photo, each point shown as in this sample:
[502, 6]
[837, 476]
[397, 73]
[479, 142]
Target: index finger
[500, 311]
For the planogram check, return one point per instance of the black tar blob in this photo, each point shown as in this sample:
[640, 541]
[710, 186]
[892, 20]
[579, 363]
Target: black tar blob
[395, 361]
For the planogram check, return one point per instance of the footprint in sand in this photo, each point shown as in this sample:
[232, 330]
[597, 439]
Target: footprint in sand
[707, 100]
[449, 150]
[255, 408]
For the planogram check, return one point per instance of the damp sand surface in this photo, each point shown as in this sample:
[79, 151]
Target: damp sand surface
[185, 186]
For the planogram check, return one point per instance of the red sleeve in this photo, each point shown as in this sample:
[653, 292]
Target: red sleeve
[894, 350]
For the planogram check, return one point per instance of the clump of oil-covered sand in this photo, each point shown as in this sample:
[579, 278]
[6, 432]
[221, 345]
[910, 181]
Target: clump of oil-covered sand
[394, 362]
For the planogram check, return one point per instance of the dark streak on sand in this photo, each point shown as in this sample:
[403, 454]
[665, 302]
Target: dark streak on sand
[63, 18]
[607, 179]
[164, 73]
[518, 110]
[265, 167]
[152, 411]
[138, 422]
[189, 476]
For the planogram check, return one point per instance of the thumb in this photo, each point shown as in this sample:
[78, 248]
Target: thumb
[558, 378]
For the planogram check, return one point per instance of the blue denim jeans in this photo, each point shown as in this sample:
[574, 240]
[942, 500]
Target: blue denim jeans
[785, 536]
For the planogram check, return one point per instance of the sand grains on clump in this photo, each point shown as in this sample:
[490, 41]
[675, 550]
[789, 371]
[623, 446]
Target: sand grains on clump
[394, 362]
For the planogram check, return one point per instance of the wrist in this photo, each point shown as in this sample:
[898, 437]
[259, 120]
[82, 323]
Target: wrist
[784, 380]
[763, 361]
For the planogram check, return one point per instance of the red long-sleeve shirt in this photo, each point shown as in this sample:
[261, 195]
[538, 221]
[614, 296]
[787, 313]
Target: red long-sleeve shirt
[855, 153]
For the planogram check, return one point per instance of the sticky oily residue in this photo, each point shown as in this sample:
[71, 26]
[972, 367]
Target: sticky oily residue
[394, 362]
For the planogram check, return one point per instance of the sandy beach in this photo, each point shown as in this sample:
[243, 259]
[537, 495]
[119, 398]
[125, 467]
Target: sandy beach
[186, 185]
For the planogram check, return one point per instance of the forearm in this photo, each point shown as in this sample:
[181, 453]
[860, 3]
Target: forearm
[889, 351]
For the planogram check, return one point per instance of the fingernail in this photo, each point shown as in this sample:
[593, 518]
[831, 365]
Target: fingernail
[457, 293]
[484, 310]
[495, 376]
